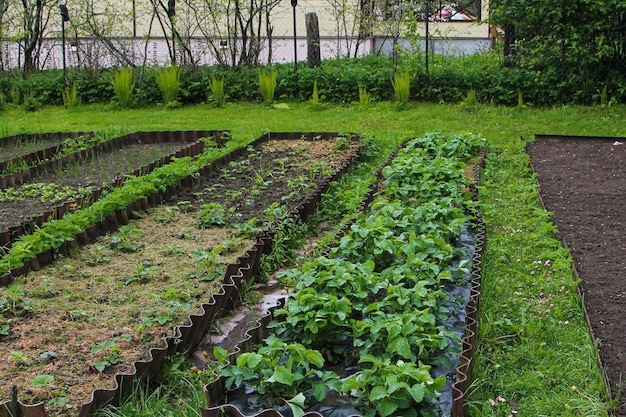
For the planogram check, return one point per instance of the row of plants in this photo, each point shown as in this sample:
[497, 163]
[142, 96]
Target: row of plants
[50, 189]
[54, 233]
[342, 81]
[151, 274]
[376, 305]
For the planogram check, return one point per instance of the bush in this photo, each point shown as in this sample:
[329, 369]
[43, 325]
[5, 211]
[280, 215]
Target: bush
[339, 81]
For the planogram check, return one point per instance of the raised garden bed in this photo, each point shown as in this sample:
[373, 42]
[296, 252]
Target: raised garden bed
[19, 152]
[49, 189]
[369, 328]
[107, 304]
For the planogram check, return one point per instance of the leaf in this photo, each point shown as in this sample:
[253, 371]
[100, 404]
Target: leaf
[438, 383]
[400, 346]
[296, 410]
[282, 376]
[387, 407]
[377, 393]
[220, 353]
[315, 357]
[319, 391]
[417, 392]
[42, 380]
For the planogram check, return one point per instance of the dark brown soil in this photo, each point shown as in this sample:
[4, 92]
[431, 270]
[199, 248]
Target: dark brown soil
[93, 172]
[583, 182]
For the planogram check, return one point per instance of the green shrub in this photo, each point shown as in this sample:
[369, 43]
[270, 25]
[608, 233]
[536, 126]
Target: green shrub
[124, 86]
[168, 80]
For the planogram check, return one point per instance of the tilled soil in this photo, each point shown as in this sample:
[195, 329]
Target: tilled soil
[91, 315]
[583, 182]
[91, 173]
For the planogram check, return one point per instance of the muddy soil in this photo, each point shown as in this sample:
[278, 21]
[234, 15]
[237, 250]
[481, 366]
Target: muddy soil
[583, 182]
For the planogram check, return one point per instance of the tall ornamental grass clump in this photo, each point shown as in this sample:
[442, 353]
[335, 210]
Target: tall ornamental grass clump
[401, 83]
[217, 90]
[70, 97]
[168, 80]
[124, 86]
[267, 84]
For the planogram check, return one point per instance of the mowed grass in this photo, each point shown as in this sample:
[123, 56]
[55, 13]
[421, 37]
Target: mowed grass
[535, 355]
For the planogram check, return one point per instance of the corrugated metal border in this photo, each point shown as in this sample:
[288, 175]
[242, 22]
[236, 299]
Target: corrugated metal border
[215, 392]
[236, 279]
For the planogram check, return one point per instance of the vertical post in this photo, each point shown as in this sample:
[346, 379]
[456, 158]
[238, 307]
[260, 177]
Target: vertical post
[294, 3]
[427, 37]
[171, 12]
[65, 17]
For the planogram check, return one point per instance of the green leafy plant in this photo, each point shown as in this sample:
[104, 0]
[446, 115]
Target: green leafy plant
[401, 83]
[604, 97]
[470, 102]
[267, 85]
[122, 240]
[393, 387]
[364, 96]
[70, 97]
[168, 80]
[520, 100]
[109, 353]
[315, 98]
[16, 94]
[124, 86]
[283, 372]
[31, 103]
[212, 214]
[217, 90]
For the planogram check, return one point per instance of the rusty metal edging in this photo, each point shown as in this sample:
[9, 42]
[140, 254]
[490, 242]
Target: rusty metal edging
[464, 368]
[580, 289]
[9, 235]
[216, 391]
[236, 280]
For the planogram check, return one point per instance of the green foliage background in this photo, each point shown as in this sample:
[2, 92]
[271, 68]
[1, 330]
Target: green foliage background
[448, 81]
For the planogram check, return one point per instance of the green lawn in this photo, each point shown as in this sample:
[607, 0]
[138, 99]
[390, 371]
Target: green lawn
[530, 323]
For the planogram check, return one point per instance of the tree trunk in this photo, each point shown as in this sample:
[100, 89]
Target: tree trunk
[313, 40]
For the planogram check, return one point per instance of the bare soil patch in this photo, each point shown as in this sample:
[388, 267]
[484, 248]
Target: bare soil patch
[583, 182]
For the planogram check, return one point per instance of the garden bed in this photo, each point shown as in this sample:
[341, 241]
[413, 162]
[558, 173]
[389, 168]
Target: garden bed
[19, 152]
[582, 181]
[48, 190]
[386, 309]
[105, 305]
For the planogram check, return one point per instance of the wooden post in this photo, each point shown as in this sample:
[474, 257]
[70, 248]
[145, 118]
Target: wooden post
[313, 40]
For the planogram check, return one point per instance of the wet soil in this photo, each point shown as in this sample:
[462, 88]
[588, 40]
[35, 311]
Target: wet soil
[583, 182]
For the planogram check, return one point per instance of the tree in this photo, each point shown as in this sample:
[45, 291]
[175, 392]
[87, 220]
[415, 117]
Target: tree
[578, 39]
[36, 15]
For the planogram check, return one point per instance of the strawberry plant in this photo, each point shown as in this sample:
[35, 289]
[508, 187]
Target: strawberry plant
[382, 295]
[283, 372]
